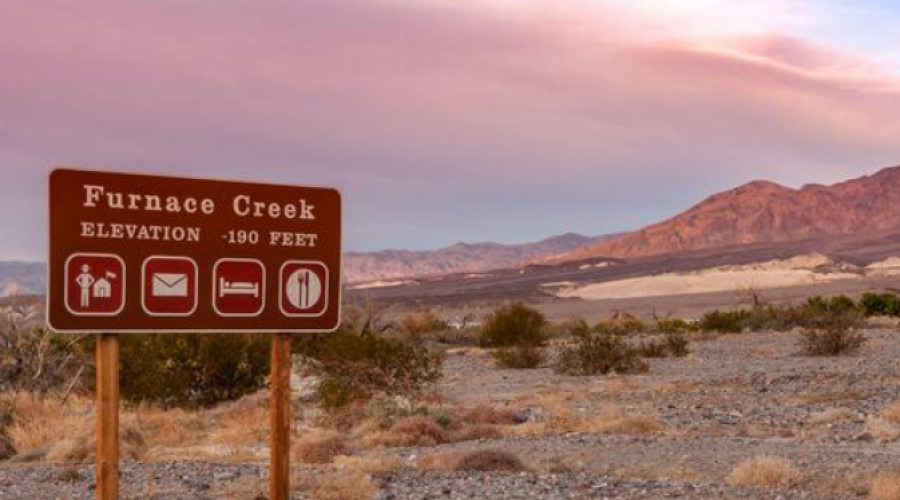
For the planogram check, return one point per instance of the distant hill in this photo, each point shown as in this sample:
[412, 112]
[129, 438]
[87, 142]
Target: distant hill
[458, 258]
[764, 212]
[22, 278]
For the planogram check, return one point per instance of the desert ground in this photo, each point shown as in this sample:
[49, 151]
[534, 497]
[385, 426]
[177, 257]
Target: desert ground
[741, 416]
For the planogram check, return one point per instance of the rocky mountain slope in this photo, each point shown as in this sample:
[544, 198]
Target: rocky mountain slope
[458, 258]
[764, 212]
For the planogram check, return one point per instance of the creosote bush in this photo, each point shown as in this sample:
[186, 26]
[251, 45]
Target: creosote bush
[522, 356]
[598, 354]
[724, 321]
[513, 324]
[880, 304]
[192, 370]
[355, 366]
[518, 335]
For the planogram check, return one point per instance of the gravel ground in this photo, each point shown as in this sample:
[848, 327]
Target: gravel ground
[732, 398]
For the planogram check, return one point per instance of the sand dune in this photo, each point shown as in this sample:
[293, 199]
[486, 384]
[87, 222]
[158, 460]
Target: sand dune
[798, 271]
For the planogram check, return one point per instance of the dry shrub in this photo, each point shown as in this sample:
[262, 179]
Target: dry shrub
[892, 413]
[357, 365]
[885, 486]
[613, 421]
[488, 415]
[39, 421]
[245, 421]
[765, 472]
[369, 464]
[489, 461]
[521, 357]
[79, 445]
[410, 431]
[344, 484]
[882, 429]
[320, 447]
[445, 461]
[170, 428]
[384, 410]
[831, 415]
[476, 433]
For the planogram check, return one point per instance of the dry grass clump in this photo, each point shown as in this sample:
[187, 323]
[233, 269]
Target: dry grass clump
[831, 415]
[343, 484]
[613, 421]
[489, 461]
[170, 428]
[410, 431]
[892, 413]
[765, 472]
[478, 460]
[885, 486]
[245, 421]
[488, 415]
[79, 444]
[320, 447]
[40, 421]
[882, 429]
[476, 433]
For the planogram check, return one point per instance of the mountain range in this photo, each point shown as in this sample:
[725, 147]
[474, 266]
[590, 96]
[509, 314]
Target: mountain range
[759, 212]
[763, 212]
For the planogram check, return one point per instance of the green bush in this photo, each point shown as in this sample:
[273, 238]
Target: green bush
[192, 370]
[513, 324]
[724, 321]
[355, 366]
[673, 325]
[623, 326]
[838, 303]
[598, 354]
[672, 344]
[880, 304]
[520, 356]
[653, 349]
[678, 345]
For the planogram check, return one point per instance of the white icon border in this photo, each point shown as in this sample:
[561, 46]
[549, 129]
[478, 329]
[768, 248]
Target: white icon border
[215, 289]
[66, 285]
[144, 286]
[326, 285]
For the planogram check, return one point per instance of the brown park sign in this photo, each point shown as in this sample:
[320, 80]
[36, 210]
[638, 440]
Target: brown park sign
[137, 253]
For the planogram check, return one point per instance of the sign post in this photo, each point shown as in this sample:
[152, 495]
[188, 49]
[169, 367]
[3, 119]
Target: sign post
[136, 254]
[107, 425]
[280, 418]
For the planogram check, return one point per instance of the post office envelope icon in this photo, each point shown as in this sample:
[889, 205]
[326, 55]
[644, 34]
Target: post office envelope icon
[170, 285]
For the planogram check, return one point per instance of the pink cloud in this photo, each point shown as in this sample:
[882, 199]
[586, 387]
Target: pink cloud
[446, 99]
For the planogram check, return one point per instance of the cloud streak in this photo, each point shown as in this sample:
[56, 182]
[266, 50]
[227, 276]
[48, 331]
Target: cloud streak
[439, 120]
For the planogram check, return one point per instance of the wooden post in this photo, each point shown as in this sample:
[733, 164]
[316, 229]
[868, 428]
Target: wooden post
[108, 417]
[280, 418]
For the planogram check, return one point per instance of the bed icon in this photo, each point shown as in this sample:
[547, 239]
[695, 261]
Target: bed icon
[239, 287]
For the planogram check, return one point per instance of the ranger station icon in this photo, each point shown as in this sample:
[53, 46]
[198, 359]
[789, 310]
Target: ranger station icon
[95, 284]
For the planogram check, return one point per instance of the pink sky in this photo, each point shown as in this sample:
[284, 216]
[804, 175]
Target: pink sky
[441, 121]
